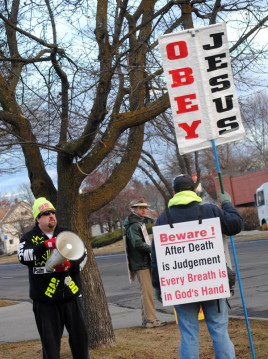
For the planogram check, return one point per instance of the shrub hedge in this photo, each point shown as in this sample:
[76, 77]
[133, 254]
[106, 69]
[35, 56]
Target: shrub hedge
[113, 237]
[249, 214]
[250, 217]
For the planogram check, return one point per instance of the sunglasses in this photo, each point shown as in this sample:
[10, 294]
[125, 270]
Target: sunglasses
[46, 213]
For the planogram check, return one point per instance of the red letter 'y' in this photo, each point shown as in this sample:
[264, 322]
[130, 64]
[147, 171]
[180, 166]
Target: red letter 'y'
[190, 129]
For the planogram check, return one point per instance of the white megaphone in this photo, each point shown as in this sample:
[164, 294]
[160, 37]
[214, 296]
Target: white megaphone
[69, 246]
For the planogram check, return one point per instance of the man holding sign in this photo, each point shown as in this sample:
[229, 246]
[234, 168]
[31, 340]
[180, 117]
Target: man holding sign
[138, 249]
[188, 264]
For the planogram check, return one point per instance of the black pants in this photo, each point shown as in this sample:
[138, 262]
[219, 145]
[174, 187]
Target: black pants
[51, 318]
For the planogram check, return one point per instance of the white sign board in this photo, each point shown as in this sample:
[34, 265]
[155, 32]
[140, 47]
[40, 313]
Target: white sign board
[201, 89]
[191, 262]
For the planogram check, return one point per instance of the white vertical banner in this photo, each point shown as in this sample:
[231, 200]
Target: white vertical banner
[191, 262]
[201, 89]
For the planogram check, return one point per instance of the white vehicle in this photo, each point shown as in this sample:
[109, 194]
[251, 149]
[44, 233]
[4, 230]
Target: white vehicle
[261, 201]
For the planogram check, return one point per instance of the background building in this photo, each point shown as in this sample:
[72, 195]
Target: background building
[242, 188]
[14, 222]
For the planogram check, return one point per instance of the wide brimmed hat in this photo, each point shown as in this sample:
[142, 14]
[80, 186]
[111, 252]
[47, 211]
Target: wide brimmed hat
[139, 203]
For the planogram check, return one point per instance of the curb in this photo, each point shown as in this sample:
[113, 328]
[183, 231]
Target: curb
[248, 237]
[243, 318]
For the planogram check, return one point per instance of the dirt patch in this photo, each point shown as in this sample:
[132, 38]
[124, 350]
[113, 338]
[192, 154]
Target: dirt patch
[5, 303]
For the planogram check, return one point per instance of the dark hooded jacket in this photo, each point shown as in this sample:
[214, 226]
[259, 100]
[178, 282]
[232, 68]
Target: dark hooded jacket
[48, 286]
[138, 250]
[230, 219]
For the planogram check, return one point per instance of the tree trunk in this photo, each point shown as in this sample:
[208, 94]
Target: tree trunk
[71, 214]
[98, 318]
[97, 313]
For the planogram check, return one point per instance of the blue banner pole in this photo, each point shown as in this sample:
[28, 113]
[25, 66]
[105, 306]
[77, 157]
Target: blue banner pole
[234, 254]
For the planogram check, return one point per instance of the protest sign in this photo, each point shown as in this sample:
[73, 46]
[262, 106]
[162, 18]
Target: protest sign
[191, 262]
[200, 84]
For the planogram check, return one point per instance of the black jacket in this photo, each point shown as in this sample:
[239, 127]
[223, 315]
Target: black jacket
[230, 219]
[46, 286]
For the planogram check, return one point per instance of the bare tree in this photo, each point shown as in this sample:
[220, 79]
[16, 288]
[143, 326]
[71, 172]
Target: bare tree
[252, 153]
[25, 193]
[112, 215]
[76, 83]
[255, 116]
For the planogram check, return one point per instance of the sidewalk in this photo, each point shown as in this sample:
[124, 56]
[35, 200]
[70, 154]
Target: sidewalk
[250, 235]
[18, 324]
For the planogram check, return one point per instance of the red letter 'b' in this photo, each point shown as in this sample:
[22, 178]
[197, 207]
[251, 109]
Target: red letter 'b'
[182, 77]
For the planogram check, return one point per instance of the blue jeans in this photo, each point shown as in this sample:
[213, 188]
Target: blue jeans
[217, 323]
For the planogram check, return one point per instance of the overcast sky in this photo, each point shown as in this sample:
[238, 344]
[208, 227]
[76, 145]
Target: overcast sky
[10, 183]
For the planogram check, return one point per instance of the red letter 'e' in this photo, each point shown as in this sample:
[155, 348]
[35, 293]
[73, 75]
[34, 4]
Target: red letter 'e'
[182, 103]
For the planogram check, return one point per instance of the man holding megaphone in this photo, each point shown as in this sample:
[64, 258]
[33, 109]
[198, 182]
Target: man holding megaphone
[55, 256]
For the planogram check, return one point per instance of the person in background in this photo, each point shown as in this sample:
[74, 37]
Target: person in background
[184, 207]
[138, 249]
[56, 296]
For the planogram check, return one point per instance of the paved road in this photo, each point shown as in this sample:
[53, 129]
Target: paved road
[253, 267]
[124, 299]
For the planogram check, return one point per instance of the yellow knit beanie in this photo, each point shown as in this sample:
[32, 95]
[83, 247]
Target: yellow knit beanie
[41, 204]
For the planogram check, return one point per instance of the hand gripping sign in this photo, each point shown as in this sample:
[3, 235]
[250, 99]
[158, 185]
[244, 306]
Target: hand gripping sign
[200, 84]
[191, 262]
